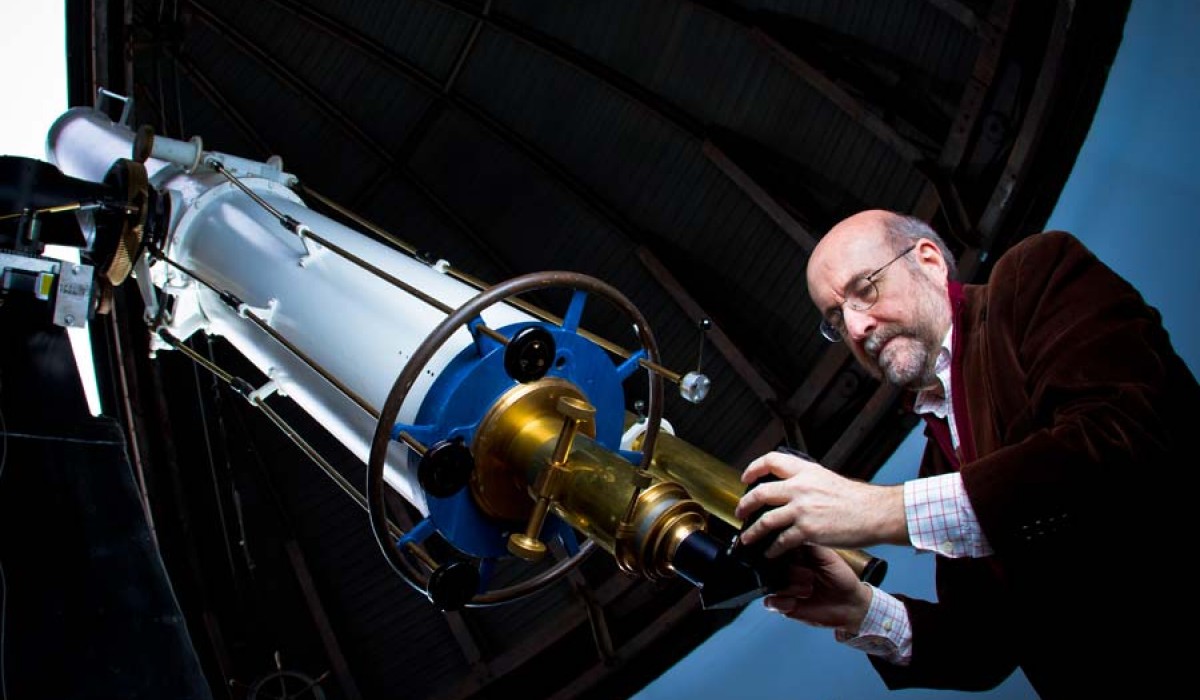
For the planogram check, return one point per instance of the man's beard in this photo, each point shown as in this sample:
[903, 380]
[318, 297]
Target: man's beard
[908, 361]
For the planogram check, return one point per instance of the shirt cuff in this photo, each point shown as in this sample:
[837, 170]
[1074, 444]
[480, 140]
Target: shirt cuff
[885, 631]
[941, 519]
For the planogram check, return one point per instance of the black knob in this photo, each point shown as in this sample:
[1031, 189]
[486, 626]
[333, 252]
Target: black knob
[453, 584]
[445, 468]
[529, 354]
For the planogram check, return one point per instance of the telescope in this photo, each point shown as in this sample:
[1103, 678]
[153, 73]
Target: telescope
[504, 424]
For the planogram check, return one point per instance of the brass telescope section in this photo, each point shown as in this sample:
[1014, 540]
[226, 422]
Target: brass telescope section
[524, 416]
[709, 481]
[718, 488]
[535, 453]
[596, 489]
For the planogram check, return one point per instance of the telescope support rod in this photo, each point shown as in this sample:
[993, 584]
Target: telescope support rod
[303, 232]
[279, 338]
[241, 386]
[525, 306]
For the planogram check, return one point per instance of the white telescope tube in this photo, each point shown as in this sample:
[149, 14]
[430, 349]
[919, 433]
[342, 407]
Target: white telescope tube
[357, 326]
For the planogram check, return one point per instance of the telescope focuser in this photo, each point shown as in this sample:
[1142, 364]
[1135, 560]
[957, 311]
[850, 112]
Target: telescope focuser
[735, 573]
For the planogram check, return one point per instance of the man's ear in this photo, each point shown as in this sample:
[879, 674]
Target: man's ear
[930, 257]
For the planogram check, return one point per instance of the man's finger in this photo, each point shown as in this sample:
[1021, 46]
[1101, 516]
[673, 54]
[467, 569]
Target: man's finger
[769, 522]
[756, 469]
[761, 496]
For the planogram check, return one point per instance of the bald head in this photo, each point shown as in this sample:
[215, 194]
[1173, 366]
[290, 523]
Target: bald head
[896, 336]
[864, 233]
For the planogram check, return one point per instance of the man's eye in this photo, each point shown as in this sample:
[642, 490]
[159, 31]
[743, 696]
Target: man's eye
[860, 288]
[834, 319]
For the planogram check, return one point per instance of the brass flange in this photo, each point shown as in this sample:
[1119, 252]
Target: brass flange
[521, 420]
[663, 516]
[131, 179]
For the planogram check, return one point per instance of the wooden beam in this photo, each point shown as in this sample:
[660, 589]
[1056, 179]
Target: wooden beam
[333, 650]
[970, 106]
[841, 98]
[338, 117]
[224, 106]
[652, 631]
[1033, 125]
[534, 644]
[728, 349]
[881, 402]
[959, 12]
[601, 634]
[773, 209]
[826, 370]
[803, 398]
[766, 440]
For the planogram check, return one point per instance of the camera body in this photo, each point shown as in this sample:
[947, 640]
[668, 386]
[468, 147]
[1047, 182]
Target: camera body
[731, 574]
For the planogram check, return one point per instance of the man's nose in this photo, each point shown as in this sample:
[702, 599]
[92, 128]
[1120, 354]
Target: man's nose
[859, 324]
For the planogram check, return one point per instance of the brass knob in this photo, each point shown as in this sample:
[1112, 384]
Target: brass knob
[526, 547]
[576, 409]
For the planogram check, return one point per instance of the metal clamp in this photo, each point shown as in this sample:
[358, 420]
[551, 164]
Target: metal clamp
[527, 545]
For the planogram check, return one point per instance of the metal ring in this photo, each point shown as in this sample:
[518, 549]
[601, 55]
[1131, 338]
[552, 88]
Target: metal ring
[412, 371]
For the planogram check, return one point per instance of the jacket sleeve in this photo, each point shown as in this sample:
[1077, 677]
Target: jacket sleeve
[1087, 399]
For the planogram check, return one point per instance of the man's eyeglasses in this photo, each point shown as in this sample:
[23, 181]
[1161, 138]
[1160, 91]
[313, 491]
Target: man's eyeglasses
[861, 294]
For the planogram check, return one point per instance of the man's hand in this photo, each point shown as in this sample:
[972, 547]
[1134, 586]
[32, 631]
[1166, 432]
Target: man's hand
[822, 591]
[813, 505]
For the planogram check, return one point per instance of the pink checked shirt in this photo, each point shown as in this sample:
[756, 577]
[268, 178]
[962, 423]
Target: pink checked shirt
[940, 519]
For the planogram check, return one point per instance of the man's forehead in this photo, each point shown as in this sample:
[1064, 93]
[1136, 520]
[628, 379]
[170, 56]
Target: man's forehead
[844, 254]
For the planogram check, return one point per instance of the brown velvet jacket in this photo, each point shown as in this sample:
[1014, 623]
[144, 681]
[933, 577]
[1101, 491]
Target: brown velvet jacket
[1076, 411]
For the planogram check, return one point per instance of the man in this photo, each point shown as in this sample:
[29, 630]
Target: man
[1057, 413]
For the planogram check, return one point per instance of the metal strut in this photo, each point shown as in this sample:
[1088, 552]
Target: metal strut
[234, 302]
[244, 389]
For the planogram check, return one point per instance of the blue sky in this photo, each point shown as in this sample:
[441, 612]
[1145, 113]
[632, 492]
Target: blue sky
[1132, 198]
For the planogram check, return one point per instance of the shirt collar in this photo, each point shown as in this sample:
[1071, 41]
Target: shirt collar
[936, 400]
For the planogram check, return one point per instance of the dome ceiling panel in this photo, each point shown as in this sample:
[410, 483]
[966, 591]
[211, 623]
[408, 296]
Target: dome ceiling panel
[725, 76]
[397, 206]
